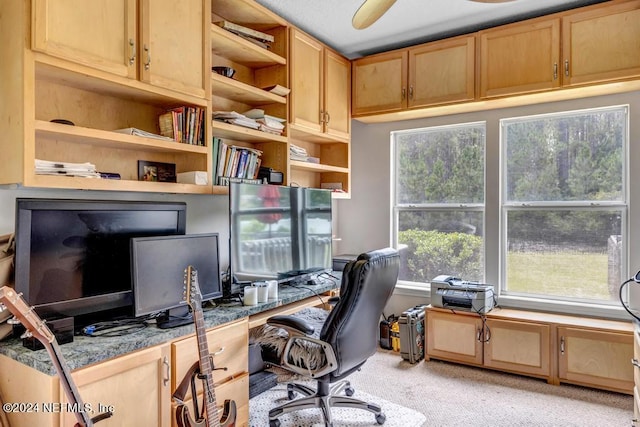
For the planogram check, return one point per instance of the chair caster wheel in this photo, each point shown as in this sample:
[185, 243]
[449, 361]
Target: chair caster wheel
[349, 391]
[274, 423]
[380, 418]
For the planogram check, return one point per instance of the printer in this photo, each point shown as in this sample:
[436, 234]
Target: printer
[457, 294]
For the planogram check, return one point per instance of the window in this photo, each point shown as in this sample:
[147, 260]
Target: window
[438, 201]
[564, 205]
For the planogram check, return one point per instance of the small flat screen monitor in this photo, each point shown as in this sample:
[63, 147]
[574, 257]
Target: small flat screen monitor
[72, 256]
[157, 272]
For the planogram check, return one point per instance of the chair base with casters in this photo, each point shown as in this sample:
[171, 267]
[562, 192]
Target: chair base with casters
[327, 396]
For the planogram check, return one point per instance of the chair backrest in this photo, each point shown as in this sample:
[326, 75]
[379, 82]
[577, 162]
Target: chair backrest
[352, 326]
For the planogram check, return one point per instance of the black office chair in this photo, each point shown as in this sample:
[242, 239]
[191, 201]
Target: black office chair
[347, 339]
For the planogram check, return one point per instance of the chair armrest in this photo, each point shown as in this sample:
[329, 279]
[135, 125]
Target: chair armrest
[330, 365]
[291, 322]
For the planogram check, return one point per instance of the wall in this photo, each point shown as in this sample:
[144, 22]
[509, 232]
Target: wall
[365, 219]
[205, 214]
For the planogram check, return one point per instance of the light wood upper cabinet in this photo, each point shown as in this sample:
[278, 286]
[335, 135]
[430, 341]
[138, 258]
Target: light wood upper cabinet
[601, 44]
[99, 34]
[175, 45]
[520, 58]
[337, 95]
[167, 45]
[379, 83]
[307, 62]
[442, 72]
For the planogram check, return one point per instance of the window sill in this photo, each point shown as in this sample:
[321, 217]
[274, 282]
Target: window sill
[535, 304]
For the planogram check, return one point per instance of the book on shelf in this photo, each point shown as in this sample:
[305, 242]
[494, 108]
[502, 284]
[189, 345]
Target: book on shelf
[225, 180]
[183, 124]
[140, 132]
[234, 161]
[246, 31]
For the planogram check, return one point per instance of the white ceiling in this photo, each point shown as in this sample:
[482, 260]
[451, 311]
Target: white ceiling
[408, 22]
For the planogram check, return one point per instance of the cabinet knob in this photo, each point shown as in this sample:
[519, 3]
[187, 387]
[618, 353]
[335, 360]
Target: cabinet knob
[566, 67]
[404, 93]
[411, 92]
[132, 56]
[561, 345]
[148, 63]
[328, 117]
[635, 362]
[555, 71]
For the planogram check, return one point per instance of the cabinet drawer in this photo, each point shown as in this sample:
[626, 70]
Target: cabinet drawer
[228, 344]
[236, 390]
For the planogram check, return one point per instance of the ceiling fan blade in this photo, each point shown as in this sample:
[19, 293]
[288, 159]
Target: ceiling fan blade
[369, 12]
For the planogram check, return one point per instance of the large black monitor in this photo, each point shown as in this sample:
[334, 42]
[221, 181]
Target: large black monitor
[278, 232]
[72, 256]
[157, 272]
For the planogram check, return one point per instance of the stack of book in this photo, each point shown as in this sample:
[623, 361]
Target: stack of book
[256, 37]
[235, 163]
[183, 124]
[85, 170]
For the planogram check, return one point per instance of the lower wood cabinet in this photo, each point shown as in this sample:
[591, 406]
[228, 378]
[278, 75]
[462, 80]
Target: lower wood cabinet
[561, 349]
[229, 348]
[136, 386]
[596, 358]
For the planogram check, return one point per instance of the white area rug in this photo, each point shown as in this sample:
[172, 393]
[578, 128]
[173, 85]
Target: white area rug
[397, 416]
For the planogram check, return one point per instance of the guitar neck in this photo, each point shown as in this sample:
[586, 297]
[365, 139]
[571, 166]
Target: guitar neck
[206, 369]
[67, 383]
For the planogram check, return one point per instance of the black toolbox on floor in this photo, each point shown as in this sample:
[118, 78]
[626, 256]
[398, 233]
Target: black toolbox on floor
[411, 323]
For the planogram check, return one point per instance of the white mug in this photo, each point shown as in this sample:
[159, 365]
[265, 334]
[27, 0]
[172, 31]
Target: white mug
[250, 295]
[263, 292]
[273, 289]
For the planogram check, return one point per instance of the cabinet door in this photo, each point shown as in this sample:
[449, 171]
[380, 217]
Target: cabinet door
[520, 58]
[229, 348]
[454, 337]
[136, 386]
[518, 347]
[602, 44]
[98, 33]
[379, 83]
[337, 95]
[175, 45]
[306, 80]
[442, 72]
[596, 358]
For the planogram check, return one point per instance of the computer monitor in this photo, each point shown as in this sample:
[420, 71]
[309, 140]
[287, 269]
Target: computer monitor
[157, 274]
[72, 256]
[278, 232]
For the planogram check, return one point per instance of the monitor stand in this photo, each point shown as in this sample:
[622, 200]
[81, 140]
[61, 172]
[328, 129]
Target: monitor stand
[174, 317]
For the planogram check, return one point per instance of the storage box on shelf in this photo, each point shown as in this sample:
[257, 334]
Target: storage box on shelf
[256, 68]
[46, 85]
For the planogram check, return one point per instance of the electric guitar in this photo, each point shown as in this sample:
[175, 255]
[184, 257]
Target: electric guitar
[211, 417]
[37, 328]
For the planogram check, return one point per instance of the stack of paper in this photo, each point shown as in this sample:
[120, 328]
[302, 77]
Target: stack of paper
[87, 170]
[269, 124]
[235, 119]
[297, 153]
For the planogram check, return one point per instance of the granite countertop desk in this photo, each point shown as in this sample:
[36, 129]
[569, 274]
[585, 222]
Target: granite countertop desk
[86, 350]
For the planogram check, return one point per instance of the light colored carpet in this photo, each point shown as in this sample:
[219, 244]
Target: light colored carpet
[397, 416]
[455, 395]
